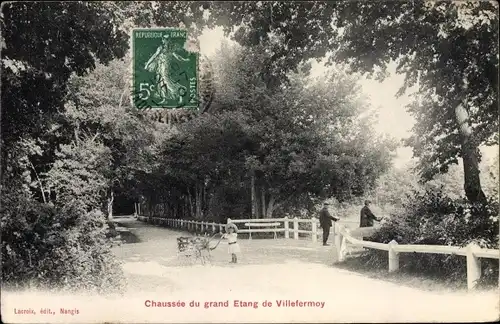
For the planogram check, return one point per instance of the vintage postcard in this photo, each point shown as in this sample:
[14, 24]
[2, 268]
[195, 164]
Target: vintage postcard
[249, 162]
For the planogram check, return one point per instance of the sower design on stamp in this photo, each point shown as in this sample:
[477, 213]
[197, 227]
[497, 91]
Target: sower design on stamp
[165, 74]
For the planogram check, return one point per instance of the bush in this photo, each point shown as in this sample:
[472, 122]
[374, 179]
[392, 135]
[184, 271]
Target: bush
[432, 218]
[56, 246]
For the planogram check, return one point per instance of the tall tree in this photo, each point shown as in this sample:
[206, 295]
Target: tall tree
[289, 144]
[43, 43]
[109, 118]
[452, 52]
[448, 47]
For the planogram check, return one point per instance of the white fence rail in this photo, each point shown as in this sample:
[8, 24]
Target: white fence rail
[472, 252]
[288, 226]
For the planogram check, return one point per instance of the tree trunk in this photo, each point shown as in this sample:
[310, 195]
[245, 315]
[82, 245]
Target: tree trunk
[39, 183]
[110, 205]
[204, 199]
[254, 203]
[270, 207]
[263, 202]
[190, 204]
[472, 183]
[198, 201]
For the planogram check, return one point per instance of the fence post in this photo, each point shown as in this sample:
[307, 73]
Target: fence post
[182, 223]
[296, 228]
[473, 266]
[343, 245]
[338, 243]
[213, 227]
[393, 257]
[287, 228]
[221, 228]
[314, 229]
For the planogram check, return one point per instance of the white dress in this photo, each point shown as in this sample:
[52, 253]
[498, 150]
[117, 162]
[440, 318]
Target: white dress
[232, 243]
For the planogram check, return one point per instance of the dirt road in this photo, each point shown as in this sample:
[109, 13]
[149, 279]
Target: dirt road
[275, 281]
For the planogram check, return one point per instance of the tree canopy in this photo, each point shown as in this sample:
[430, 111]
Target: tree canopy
[289, 146]
[448, 47]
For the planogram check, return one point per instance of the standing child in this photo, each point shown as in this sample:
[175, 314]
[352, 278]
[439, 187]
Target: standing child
[232, 241]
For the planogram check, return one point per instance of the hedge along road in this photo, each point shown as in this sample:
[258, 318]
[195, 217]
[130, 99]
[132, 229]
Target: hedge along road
[282, 270]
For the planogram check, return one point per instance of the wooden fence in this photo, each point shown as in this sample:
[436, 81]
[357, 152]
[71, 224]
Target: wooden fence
[288, 226]
[472, 252]
[345, 235]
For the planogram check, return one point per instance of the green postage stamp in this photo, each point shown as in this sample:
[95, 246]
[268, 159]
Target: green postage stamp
[165, 74]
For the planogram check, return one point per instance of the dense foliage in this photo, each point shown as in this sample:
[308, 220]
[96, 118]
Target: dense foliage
[432, 218]
[54, 178]
[397, 184]
[263, 149]
[55, 246]
[456, 106]
[448, 48]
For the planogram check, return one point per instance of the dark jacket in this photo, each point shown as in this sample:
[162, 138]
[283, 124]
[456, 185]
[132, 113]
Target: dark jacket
[366, 217]
[325, 219]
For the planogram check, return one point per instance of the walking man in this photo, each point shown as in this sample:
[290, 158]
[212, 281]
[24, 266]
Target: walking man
[325, 221]
[366, 216]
